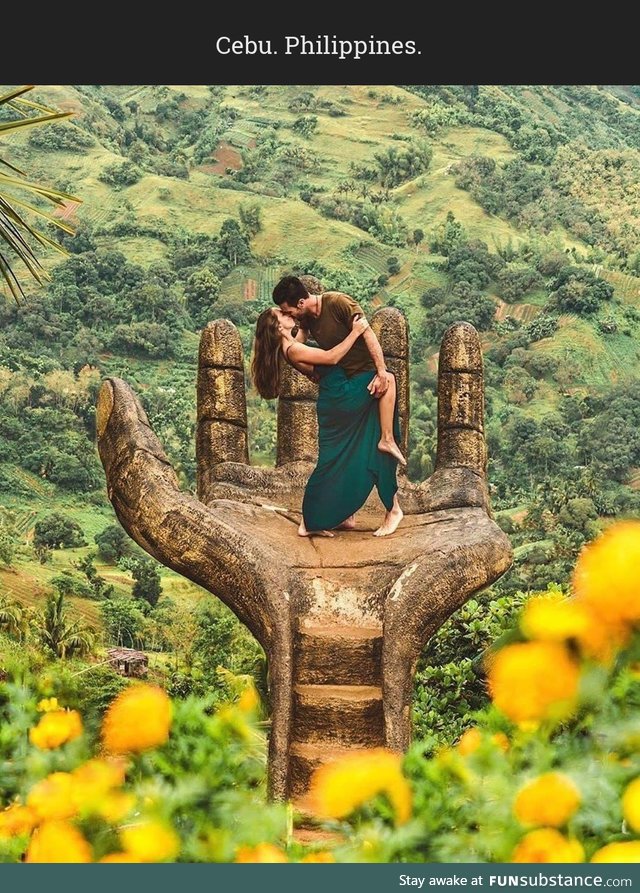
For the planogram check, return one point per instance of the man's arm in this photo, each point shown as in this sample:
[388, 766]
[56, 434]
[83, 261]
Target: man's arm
[346, 310]
[378, 385]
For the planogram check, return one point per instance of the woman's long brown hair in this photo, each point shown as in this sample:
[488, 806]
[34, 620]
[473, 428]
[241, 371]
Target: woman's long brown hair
[265, 365]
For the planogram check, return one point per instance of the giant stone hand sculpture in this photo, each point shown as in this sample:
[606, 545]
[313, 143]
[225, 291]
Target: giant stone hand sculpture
[342, 620]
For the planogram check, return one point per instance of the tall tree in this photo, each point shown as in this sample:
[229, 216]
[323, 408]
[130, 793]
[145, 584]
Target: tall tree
[63, 637]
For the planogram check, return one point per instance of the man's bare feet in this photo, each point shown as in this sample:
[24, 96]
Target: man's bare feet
[348, 524]
[390, 523]
[390, 446]
[302, 531]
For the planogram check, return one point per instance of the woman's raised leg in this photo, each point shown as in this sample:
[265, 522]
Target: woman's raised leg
[386, 407]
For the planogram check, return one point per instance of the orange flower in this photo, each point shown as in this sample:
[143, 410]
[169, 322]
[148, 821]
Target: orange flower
[249, 700]
[500, 740]
[138, 719]
[629, 851]
[47, 704]
[263, 852]
[53, 797]
[92, 788]
[547, 845]
[631, 804]
[17, 820]
[339, 787]
[55, 728]
[606, 574]
[469, 742]
[549, 799]
[58, 842]
[533, 681]
[116, 806]
[150, 841]
[101, 774]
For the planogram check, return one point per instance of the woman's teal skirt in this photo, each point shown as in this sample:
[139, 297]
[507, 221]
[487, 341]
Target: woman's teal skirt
[349, 461]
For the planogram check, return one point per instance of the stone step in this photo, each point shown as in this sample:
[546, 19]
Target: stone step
[304, 759]
[348, 715]
[315, 837]
[338, 655]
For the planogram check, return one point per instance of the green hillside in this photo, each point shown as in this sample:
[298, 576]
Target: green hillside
[517, 208]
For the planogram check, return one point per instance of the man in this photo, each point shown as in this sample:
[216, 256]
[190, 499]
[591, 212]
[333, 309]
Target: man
[328, 318]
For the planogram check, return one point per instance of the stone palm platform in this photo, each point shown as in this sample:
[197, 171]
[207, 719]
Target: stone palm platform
[342, 620]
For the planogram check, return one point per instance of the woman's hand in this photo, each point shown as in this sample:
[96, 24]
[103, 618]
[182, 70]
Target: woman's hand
[360, 323]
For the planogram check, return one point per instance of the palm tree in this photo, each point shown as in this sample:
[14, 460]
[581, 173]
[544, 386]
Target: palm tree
[15, 230]
[12, 618]
[64, 638]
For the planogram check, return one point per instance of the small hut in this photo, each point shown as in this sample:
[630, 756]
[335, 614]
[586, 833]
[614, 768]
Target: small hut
[128, 661]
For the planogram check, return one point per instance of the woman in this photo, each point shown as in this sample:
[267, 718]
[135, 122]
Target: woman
[357, 433]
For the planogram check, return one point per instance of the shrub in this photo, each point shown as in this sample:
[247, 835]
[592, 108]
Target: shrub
[65, 137]
[56, 531]
[120, 173]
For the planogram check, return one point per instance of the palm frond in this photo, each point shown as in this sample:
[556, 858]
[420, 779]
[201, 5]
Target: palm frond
[13, 94]
[12, 167]
[15, 229]
[55, 221]
[31, 122]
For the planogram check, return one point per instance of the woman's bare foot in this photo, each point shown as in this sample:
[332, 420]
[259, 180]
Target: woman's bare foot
[390, 523]
[302, 531]
[348, 524]
[390, 446]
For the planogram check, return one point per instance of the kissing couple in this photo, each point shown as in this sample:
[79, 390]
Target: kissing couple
[358, 427]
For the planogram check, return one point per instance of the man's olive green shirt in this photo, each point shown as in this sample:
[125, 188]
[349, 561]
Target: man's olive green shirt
[334, 324]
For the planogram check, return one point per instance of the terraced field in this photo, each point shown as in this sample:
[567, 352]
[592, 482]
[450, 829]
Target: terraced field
[373, 257]
[32, 590]
[596, 360]
[523, 312]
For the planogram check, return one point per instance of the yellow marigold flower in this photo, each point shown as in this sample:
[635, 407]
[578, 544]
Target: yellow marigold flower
[94, 781]
[46, 705]
[533, 681]
[119, 857]
[551, 617]
[139, 718]
[319, 857]
[631, 804]
[547, 845]
[249, 700]
[17, 820]
[58, 842]
[56, 728]
[263, 852]
[554, 618]
[550, 799]
[448, 760]
[116, 806]
[340, 787]
[469, 742]
[102, 774]
[606, 574]
[628, 851]
[150, 841]
[53, 797]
